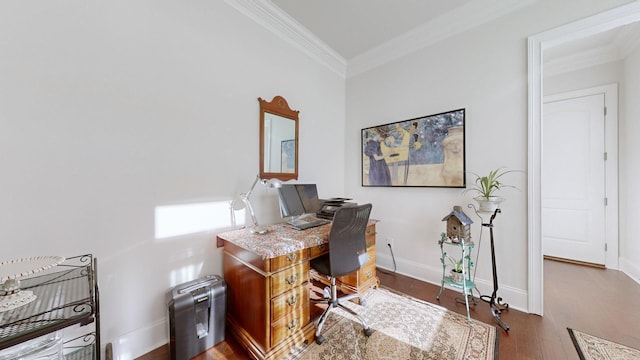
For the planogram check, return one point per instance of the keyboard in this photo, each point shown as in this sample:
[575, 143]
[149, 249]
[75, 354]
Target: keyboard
[307, 223]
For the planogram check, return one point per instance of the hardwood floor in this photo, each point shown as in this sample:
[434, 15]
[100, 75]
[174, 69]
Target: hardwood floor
[596, 301]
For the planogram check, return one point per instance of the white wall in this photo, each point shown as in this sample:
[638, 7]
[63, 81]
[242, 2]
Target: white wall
[604, 74]
[112, 113]
[630, 168]
[485, 71]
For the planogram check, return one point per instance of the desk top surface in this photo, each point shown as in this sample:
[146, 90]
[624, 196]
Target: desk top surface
[280, 239]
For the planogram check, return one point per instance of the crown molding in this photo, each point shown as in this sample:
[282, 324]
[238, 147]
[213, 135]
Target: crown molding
[628, 40]
[474, 13]
[582, 60]
[468, 16]
[265, 13]
[624, 43]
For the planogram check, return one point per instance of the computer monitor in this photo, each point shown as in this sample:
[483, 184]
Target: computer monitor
[290, 202]
[298, 199]
[309, 196]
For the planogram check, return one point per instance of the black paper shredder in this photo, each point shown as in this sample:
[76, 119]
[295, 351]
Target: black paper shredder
[196, 316]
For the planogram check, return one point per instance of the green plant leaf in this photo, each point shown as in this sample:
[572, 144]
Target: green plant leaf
[486, 186]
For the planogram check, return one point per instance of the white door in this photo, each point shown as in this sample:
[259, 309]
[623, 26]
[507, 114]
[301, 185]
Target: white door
[573, 179]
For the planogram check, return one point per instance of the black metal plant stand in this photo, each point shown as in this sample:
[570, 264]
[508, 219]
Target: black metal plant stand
[495, 302]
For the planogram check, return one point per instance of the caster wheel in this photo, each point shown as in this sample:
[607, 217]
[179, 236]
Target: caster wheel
[363, 302]
[368, 332]
[319, 339]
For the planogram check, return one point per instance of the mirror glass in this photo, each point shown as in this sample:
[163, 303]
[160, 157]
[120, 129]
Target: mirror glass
[278, 140]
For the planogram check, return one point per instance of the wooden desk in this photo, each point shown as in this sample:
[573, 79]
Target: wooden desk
[267, 276]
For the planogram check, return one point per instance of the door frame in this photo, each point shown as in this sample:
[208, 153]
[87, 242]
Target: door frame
[610, 19]
[611, 164]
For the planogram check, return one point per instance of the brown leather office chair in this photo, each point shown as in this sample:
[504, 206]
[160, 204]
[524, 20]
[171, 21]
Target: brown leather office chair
[347, 253]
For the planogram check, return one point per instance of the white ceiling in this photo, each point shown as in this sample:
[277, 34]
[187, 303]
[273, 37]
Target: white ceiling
[367, 33]
[352, 27]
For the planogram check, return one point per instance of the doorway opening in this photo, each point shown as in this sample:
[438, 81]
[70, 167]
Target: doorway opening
[537, 44]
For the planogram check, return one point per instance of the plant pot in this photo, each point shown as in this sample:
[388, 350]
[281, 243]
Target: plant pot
[456, 276]
[489, 204]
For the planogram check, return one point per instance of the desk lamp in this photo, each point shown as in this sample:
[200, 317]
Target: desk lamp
[269, 183]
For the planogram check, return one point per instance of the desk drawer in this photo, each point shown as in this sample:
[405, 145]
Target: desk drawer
[290, 302]
[318, 250]
[366, 272]
[370, 236]
[290, 278]
[289, 325]
[286, 260]
[360, 277]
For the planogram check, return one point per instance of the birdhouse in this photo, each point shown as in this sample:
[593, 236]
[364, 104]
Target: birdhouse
[458, 225]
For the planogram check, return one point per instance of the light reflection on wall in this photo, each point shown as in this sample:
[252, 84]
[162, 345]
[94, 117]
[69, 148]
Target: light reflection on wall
[184, 274]
[185, 219]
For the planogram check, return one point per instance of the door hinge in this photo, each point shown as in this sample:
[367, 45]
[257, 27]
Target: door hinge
[606, 201]
[606, 155]
[605, 246]
[605, 111]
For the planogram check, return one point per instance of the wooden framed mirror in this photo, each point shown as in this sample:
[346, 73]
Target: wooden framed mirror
[278, 140]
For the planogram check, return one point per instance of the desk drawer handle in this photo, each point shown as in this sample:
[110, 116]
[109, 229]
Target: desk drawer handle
[321, 247]
[292, 256]
[293, 324]
[292, 279]
[293, 300]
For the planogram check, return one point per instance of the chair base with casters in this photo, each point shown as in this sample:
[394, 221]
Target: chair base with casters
[347, 253]
[332, 300]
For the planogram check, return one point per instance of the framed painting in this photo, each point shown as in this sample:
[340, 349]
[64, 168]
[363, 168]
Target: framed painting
[428, 151]
[287, 158]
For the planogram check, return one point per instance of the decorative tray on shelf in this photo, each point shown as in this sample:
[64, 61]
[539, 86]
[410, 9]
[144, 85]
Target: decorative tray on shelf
[66, 295]
[11, 296]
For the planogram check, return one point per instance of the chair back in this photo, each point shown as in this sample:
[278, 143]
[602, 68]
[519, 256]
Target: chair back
[347, 239]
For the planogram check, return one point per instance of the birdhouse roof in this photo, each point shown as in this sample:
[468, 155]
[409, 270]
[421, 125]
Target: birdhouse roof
[462, 217]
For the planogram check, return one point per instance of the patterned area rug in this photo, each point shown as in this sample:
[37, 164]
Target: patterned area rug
[403, 328]
[592, 347]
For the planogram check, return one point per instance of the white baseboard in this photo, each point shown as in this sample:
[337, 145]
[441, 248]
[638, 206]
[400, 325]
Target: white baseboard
[141, 341]
[516, 298]
[631, 269]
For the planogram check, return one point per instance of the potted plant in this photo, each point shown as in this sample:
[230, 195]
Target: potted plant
[485, 188]
[456, 271]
